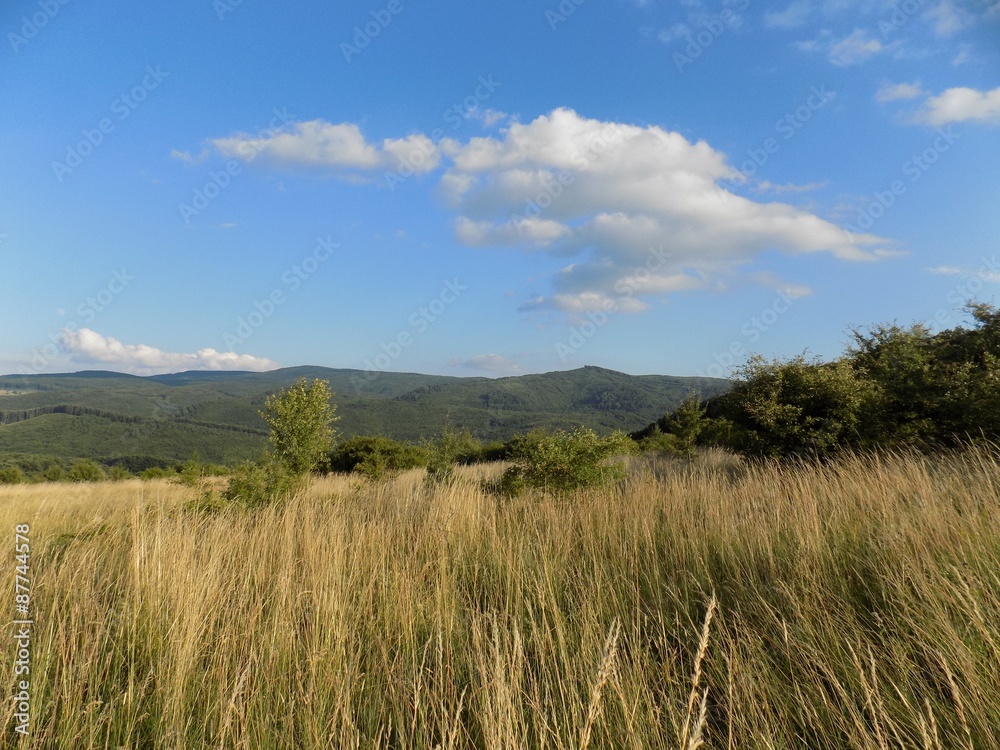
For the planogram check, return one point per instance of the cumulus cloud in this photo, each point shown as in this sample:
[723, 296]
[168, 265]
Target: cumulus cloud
[890, 92]
[342, 146]
[639, 210]
[91, 347]
[960, 105]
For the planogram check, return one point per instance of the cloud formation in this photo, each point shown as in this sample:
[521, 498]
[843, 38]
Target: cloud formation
[891, 92]
[961, 105]
[638, 212]
[90, 347]
[318, 143]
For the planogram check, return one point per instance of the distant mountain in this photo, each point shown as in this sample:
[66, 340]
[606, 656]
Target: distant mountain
[105, 415]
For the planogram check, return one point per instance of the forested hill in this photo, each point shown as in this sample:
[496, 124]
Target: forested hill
[105, 415]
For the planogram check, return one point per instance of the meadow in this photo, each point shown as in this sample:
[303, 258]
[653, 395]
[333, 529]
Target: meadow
[712, 602]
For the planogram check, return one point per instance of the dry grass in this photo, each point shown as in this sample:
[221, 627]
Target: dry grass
[851, 605]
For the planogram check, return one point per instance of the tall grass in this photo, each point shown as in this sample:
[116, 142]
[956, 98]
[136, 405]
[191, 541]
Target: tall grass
[854, 604]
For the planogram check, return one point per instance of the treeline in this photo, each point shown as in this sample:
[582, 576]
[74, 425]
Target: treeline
[33, 469]
[894, 387]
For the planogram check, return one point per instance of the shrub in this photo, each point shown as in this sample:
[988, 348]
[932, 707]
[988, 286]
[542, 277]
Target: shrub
[86, 470]
[451, 448]
[374, 457]
[257, 483]
[12, 475]
[54, 473]
[563, 461]
[156, 472]
[119, 473]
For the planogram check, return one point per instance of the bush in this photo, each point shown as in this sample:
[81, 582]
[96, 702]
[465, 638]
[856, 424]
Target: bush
[563, 461]
[375, 457]
[86, 470]
[119, 473]
[12, 475]
[54, 473]
[156, 472]
[257, 483]
[451, 448]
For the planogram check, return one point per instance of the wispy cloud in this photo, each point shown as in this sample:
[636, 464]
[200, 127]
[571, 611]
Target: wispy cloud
[793, 16]
[890, 92]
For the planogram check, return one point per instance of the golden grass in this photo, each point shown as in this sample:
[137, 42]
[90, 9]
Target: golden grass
[715, 604]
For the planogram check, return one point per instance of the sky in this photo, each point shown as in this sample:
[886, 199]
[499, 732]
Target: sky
[489, 188]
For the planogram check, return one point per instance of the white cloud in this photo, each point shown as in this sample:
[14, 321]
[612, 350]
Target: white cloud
[318, 143]
[672, 33]
[890, 92]
[961, 105]
[983, 272]
[188, 158]
[89, 346]
[487, 363]
[639, 209]
[793, 16]
[854, 49]
[947, 19]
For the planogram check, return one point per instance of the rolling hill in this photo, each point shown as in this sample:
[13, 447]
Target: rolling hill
[106, 415]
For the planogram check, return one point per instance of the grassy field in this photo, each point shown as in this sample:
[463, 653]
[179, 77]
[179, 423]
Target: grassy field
[850, 605]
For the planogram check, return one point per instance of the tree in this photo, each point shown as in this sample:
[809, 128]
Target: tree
[301, 420]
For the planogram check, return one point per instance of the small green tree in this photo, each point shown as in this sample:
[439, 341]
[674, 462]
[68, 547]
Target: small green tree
[301, 420]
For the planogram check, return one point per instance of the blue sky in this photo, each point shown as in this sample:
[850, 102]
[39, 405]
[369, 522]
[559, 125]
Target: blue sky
[489, 188]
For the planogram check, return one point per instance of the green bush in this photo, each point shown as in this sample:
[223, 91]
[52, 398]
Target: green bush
[12, 475]
[54, 473]
[376, 457]
[563, 461]
[86, 470]
[119, 473]
[156, 472]
[301, 420]
[451, 448]
[257, 483]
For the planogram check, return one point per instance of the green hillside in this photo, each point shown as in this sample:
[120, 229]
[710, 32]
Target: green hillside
[105, 415]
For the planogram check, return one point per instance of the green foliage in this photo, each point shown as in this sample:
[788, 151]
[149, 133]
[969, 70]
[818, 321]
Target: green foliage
[119, 473]
[257, 483]
[376, 457]
[12, 475]
[54, 473]
[798, 407]
[301, 421]
[156, 472]
[452, 447]
[86, 470]
[895, 387]
[564, 461]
